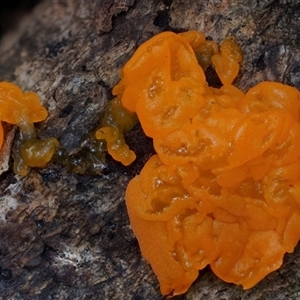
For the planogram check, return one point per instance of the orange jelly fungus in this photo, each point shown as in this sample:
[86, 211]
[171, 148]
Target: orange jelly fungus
[224, 187]
[24, 109]
[17, 107]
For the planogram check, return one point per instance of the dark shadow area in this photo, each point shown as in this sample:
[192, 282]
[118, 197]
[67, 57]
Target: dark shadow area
[12, 11]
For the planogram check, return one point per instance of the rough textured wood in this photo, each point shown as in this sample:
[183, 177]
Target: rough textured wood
[65, 236]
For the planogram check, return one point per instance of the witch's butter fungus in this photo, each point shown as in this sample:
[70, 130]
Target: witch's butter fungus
[224, 187]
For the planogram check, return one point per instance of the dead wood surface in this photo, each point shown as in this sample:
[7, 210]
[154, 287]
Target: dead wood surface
[66, 236]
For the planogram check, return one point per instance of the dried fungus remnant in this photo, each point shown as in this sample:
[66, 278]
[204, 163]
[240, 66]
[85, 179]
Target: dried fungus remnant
[224, 186]
[24, 109]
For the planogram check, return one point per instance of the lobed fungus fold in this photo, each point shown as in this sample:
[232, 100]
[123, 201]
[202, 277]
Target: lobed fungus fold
[223, 188]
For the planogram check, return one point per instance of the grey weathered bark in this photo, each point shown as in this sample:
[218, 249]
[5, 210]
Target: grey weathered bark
[66, 236]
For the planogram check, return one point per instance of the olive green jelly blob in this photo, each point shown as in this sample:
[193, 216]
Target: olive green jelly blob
[28, 151]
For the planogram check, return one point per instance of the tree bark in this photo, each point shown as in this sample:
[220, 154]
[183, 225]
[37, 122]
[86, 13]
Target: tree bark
[67, 236]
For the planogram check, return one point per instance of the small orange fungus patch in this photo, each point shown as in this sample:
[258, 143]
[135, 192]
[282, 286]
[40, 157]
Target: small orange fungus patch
[224, 187]
[24, 109]
[17, 107]
[116, 122]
